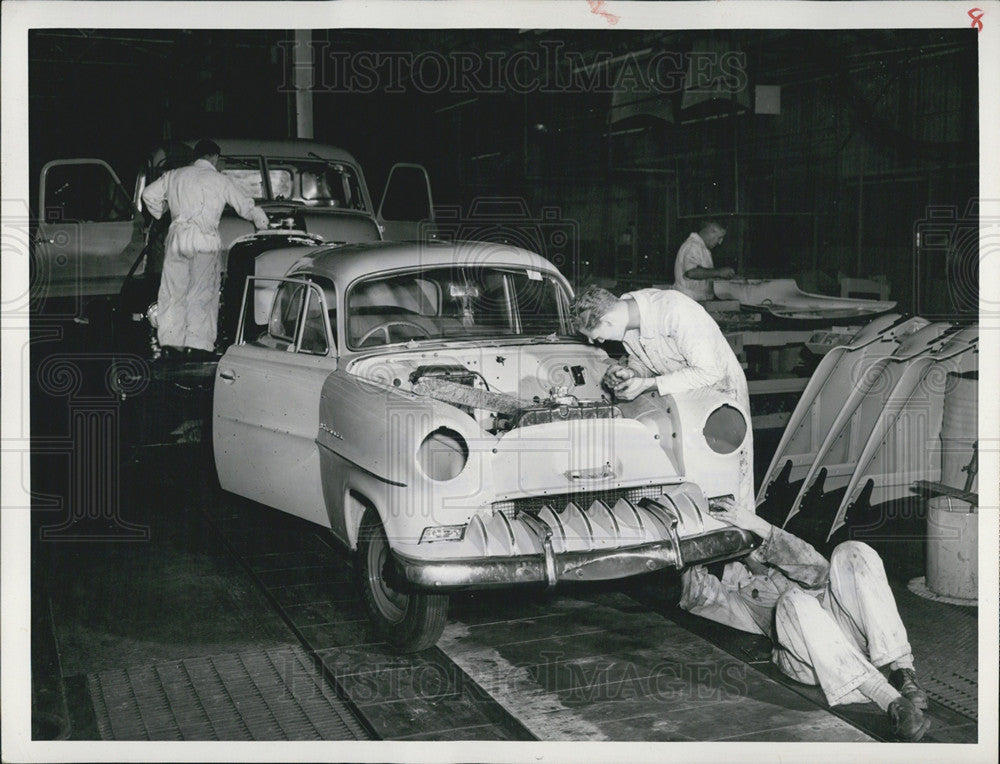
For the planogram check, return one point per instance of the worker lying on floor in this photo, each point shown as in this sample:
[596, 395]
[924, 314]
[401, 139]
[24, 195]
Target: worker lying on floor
[673, 345]
[832, 623]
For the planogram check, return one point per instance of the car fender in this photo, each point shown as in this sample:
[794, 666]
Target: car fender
[369, 436]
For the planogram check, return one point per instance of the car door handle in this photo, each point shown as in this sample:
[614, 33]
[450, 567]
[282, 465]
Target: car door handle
[227, 375]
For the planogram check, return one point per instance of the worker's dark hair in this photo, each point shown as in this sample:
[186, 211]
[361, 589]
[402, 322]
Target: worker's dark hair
[590, 306]
[206, 148]
[711, 223]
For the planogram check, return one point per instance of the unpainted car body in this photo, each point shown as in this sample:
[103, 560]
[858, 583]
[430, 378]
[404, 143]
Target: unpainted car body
[429, 404]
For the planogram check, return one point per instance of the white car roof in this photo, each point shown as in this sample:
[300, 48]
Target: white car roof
[287, 148]
[343, 264]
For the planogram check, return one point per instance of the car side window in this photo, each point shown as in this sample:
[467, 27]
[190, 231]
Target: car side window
[286, 311]
[314, 336]
[297, 321]
[84, 192]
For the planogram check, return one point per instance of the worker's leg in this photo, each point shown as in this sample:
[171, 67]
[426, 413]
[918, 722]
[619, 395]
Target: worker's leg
[203, 300]
[170, 299]
[860, 600]
[811, 648]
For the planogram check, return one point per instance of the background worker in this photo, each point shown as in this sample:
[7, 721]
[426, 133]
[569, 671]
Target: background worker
[188, 298]
[832, 623]
[673, 345]
[694, 269]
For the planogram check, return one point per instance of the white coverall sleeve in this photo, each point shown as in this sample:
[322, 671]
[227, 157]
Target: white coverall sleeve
[244, 205]
[639, 367]
[797, 559]
[690, 330]
[705, 595]
[154, 196]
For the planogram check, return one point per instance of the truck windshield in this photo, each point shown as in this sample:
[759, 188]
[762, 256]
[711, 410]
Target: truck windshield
[310, 182]
[454, 303]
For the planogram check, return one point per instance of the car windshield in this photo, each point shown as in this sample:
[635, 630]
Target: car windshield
[312, 182]
[454, 302]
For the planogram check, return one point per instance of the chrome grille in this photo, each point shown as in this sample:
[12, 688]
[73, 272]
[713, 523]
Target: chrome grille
[583, 499]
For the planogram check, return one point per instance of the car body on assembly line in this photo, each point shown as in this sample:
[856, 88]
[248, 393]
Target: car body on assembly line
[90, 232]
[429, 404]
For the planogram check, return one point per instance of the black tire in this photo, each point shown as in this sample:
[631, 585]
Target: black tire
[408, 621]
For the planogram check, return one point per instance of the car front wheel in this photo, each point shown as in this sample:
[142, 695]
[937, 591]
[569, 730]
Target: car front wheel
[408, 621]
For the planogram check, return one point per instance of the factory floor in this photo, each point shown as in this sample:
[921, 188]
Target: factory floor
[222, 620]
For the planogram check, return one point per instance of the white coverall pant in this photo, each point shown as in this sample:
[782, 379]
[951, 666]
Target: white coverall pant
[188, 300]
[835, 636]
[838, 640]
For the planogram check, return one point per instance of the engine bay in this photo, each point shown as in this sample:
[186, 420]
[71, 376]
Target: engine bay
[519, 387]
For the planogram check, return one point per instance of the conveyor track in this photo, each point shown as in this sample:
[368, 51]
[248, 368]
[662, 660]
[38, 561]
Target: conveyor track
[310, 584]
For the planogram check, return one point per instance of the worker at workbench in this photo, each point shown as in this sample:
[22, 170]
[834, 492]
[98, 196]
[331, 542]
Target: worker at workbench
[694, 268]
[832, 623]
[673, 345]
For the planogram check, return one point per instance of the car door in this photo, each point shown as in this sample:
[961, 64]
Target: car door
[406, 212]
[267, 397]
[89, 232]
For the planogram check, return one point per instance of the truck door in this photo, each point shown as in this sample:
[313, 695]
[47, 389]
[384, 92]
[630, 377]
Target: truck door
[89, 232]
[407, 209]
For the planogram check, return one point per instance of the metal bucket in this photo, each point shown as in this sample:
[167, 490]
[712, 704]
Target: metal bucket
[952, 548]
[959, 423]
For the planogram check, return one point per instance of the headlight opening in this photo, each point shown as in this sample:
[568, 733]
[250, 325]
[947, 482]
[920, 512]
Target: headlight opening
[443, 454]
[725, 429]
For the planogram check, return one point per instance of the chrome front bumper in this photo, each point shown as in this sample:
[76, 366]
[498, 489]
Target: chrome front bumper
[600, 543]
[550, 568]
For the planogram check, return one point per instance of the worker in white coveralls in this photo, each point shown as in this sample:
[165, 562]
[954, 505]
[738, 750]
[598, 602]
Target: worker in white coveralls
[694, 268]
[188, 299]
[673, 346]
[834, 623]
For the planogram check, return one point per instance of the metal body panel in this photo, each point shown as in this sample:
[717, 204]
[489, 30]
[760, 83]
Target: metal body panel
[837, 455]
[265, 421]
[904, 444]
[783, 298]
[827, 391]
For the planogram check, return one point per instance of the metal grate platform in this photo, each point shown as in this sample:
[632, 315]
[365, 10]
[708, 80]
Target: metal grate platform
[277, 694]
[945, 642]
[957, 692]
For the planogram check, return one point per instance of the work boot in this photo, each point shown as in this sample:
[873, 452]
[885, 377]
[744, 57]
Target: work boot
[907, 721]
[905, 680]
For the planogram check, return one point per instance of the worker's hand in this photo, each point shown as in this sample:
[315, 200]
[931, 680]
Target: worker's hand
[726, 273]
[727, 509]
[632, 388]
[616, 374]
